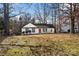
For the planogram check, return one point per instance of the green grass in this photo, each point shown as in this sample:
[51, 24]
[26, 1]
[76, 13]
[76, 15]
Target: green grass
[42, 45]
[25, 51]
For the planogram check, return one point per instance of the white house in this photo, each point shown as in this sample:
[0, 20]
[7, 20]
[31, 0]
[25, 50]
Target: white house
[37, 28]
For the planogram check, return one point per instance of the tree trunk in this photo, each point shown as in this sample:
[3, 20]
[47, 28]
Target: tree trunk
[72, 25]
[6, 18]
[72, 18]
[21, 24]
[44, 14]
[78, 26]
[55, 21]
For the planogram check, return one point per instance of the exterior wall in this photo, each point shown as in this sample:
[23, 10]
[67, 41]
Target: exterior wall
[50, 30]
[36, 30]
[47, 30]
[43, 30]
[23, 30]
[53, 30]
[31, 31]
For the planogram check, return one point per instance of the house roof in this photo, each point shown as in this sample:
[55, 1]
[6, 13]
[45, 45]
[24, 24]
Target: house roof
[29, 25]
[38, 25]
[44, 25]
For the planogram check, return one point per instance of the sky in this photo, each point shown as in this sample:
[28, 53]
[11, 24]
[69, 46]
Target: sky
[25, 7]
[17, 8]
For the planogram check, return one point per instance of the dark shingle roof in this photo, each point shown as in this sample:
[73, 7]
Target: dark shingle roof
[44, 25]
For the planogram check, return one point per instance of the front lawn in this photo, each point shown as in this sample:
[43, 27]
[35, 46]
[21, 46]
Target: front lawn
[39, 45]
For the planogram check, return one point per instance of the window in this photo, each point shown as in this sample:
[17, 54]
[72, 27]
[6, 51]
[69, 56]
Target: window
[51, 29]
[33, 29]
[44, 29]
[28, 30]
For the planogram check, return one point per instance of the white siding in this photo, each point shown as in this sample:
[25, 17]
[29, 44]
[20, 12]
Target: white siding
[36, 30]
[50, 30]
[53, 30]
[43, 30]
[23, 30]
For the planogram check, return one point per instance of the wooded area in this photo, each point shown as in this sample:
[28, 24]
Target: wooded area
[60, 15]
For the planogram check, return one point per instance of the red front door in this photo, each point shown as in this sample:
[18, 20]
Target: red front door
[39, 30]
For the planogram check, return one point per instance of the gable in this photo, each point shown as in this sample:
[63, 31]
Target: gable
[29, 25]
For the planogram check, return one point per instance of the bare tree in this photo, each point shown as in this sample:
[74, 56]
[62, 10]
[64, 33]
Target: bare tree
[6, 18]
[42, 12]
[70, 14]
[8, 13]
[77, 15]
[54, 13]
[72, 17]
